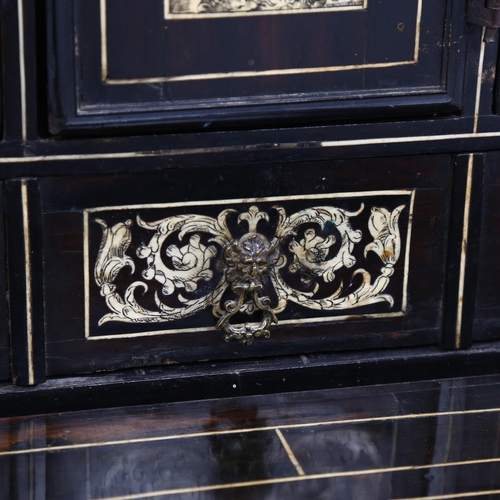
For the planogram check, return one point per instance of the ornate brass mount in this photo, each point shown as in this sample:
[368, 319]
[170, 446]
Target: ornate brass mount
[247, 262]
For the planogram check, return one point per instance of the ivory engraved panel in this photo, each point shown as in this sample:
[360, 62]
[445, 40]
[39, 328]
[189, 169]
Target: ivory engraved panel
[244, 265]
[218, 8]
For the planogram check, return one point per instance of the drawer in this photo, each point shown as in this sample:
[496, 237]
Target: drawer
[181, 265]
[165, 63]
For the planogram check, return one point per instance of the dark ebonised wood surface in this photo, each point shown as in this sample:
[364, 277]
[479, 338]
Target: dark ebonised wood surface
[395, 59]
[78, 141]
[24, 282]
[486, 318]
[5, 370]
[435, 439]
[63, 201]
[222, 379]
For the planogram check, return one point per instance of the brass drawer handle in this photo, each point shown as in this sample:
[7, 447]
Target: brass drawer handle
[247, 263]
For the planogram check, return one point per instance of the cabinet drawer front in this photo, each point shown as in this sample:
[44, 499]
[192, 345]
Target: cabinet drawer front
[259, 261]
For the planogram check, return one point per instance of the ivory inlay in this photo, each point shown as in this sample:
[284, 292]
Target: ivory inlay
[307, 258]
[217, 8]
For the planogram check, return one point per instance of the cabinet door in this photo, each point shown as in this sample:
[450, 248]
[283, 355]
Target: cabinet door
[179, 265]
[216, 63]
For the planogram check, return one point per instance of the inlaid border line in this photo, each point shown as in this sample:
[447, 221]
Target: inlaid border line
[479, 82]
[385, 418]
[467, 494]
[174, 331]
[86, 272]
[418, 29]
[27, 268]
[267, 199]
[463, 253]
[104, 39]
[225, 149]
[242, 74]
[22, 69]
[310, 477]
[407, 254]
[290, 453]
[249, 74]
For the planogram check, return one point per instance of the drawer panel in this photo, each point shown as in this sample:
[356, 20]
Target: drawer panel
[193, 264]
[193, 257]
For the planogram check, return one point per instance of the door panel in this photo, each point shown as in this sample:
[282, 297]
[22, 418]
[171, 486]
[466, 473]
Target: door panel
[123, 63]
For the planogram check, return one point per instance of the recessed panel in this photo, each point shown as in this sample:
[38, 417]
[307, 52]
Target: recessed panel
[177, 268]
[164, 61]
[191, 264]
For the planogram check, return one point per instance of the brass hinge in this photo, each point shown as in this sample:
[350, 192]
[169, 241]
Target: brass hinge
[485, 13]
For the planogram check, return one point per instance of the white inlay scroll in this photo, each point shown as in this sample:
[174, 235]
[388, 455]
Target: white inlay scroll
[184, 250]
[214, 8]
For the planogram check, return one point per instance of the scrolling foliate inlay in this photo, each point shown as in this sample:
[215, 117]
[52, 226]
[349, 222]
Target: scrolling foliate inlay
[248, 265]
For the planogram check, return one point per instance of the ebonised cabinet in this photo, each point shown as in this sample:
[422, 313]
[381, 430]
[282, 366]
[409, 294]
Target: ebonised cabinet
[238, 182]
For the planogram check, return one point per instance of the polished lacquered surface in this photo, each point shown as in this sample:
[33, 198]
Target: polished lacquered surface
[437, 439]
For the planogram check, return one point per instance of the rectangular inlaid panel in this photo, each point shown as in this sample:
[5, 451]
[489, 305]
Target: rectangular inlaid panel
[157, 269]
[204, 62]
[237, 47]
[215, 263]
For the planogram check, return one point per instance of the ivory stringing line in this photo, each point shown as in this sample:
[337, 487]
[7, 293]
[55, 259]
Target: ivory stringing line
[385, 418]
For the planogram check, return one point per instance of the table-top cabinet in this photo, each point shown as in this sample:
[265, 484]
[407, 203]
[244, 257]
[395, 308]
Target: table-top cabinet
[214, 183]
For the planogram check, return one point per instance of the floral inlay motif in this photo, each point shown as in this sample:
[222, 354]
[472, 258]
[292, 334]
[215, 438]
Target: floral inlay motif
[313, 244]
